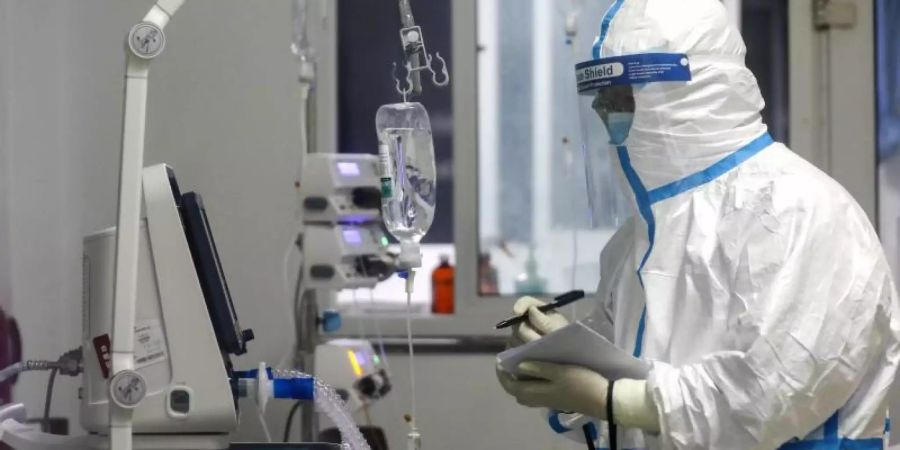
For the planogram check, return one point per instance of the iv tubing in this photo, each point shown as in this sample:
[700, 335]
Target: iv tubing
[305, 86]
[25, 366]
[378, 332]
[330, 403]
[10, 371]
[410, 279]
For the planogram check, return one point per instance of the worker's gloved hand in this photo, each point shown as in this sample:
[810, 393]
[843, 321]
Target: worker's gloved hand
[538, 323]
[575, 389]
[559, 387]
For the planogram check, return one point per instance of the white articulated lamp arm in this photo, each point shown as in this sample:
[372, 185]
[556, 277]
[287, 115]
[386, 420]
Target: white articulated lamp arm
[145, 41]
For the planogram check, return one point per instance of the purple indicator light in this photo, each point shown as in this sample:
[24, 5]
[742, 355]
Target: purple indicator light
[348, 169]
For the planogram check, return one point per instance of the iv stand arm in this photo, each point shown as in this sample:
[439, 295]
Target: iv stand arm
[128, 222]
[408, 21]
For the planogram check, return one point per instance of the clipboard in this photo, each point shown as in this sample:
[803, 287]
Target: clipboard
[577, 344]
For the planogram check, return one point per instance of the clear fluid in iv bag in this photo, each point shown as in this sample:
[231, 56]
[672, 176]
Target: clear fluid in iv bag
[408, 170]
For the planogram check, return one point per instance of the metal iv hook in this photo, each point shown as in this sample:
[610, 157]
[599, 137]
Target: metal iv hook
[414, 50]
[434, 76]
[439, 80]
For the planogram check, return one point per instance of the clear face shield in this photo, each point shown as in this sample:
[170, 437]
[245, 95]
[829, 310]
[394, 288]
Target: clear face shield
[606, 116]
[607, 108]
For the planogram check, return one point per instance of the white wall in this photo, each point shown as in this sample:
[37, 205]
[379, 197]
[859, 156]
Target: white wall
[223, 108]
[44, 192]
[5, 71]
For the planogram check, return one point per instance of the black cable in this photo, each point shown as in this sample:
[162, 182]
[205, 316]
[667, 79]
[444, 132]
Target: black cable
[613, 431]
[290, 420]
[588, 436]
[45, 422]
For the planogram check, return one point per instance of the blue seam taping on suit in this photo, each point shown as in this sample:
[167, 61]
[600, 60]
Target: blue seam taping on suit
[643, 202]
[604, 27]
[838, 444]
[830, 431]
[639, 340]
[645, 199]
[712, 172]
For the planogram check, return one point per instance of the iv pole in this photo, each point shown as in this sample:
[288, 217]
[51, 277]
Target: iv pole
[145, 42]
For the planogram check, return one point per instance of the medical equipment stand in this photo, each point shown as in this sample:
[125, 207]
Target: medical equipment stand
[145, 42]
[343, 247]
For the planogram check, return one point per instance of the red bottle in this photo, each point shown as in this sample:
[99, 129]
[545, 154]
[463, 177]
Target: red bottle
[442, 287]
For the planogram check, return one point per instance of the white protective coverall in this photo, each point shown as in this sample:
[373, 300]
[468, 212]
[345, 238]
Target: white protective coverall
[753, 281]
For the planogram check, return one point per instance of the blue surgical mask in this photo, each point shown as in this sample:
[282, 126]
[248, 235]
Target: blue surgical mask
[618, 124]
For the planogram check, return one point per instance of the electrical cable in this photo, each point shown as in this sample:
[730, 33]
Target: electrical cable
[610, 417]
[48, 399]
[290, 420]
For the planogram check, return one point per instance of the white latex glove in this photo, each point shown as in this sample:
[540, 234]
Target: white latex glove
[537, 326]
[580, 390]
[560, 387]
[538, 323]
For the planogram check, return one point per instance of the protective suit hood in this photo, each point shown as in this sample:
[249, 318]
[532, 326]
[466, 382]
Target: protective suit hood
[681, 128]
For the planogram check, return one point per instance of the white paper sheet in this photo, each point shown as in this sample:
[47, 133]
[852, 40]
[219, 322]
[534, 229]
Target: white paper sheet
[577, 344]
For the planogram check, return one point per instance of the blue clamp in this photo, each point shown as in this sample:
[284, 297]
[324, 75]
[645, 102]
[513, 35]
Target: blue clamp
[294, 388]
[331, 321]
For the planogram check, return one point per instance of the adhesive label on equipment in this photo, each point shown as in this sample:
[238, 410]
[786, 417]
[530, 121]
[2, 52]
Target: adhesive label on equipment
[149, 343]
[103, 348]
[631, 69]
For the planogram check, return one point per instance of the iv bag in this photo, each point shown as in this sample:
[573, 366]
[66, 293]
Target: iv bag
[408, 175]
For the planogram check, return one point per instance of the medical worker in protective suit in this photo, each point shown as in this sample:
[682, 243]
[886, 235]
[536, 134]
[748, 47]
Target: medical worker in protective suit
[752, 283]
